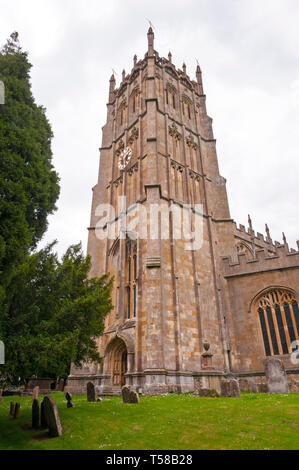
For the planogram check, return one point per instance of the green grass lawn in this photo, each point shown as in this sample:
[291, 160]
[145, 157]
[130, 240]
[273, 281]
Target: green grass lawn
[177, 422]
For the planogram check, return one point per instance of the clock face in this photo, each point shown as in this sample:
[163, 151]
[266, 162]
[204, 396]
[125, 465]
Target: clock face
[124, 158]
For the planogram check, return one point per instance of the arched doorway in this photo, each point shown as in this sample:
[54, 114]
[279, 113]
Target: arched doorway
[118, 362]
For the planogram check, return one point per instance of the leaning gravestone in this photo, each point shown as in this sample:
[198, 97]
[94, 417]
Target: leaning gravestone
[129, 396]
[230, 388]
[91, 393]
[16, 414]
[52, 417]
[276, 376]
[35, 414]
[35, 393]
[69, 398]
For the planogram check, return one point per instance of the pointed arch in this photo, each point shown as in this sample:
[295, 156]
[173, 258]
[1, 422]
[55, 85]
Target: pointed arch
[126, 338]
[277, 311]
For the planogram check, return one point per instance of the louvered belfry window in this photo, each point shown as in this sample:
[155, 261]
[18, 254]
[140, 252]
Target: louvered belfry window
[278, 315]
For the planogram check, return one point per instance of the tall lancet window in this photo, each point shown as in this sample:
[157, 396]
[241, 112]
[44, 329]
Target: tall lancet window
[170, 94]
[121, 113]
[131, 278]
[278, 314]
[134, 101]
[186, 107]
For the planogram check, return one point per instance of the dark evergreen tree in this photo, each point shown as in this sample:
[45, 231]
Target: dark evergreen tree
[28, 183]
[55, 315]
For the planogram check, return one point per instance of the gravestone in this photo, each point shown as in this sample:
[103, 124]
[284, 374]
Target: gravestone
[276, 376]
[129, 396]
[98, 391]
[202, 389]
[43, 423]
[35, 414]
[230, 388]
[35, 393]
[17, 411]
[293, 386]
[69, 398]
[248, 385]
[52, 417]
[91, 393]
[262, 388]
[12, 408]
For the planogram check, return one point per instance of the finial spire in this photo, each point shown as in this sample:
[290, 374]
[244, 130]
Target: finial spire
[170, 57]
[284, 238]
[250, 223]
[135, 60]
[184, 68]
[198, 74]
[150, 40]
[111, 87]
[123, 75]
[268, 232]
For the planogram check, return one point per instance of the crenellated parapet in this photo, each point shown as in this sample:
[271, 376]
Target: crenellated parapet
[282, 259]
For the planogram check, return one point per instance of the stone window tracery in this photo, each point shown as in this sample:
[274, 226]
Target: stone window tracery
[170, 95]
[186, 106]
[278, 314]
[131, 278]
[121, 113]
[135, 101]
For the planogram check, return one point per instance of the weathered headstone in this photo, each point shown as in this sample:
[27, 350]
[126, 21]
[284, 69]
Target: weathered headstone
[98, 391]
[43, 423]
[262, 388]
[91, 393]
[294, 386]
[52, 417]
[248, 385]
[276, 376]
[12, 408]
[69, 398]
[129, 396]
[35, 393]
[230, 388]
[17, 411]
[35, 414]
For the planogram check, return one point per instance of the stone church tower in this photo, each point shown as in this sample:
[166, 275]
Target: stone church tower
[179, 313]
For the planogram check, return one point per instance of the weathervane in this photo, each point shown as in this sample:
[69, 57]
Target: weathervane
[150, 23]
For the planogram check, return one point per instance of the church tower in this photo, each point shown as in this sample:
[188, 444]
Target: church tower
[158, 153]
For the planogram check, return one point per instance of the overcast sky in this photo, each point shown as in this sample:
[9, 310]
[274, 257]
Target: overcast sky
[249, 54]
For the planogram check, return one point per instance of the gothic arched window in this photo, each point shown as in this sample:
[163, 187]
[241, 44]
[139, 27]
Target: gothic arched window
[131, 277]
[134, 101]
[121, 115]
[186, 106]
[278, 313]
[171, 95]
